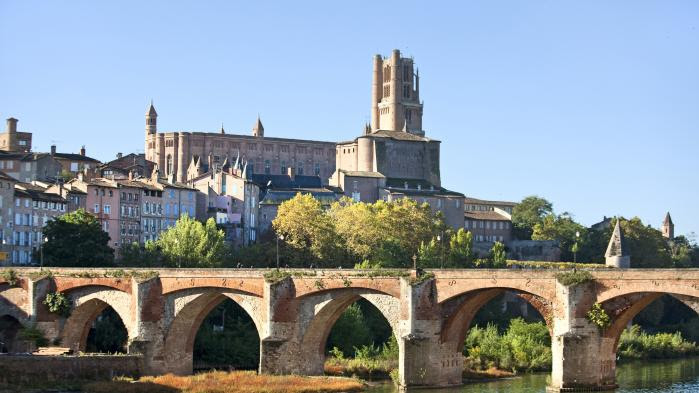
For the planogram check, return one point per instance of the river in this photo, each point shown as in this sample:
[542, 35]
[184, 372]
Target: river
[677, 376]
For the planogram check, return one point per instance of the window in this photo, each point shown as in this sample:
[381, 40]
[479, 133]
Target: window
[23, 143]
[97, 207]
[267, 167]
[73, 166]
[18, 202]
[27, 166]
[26, 202]
[168, 164]
[282, 168]
[316, 169]
[299, 170]
[107, 209]
[356, 195]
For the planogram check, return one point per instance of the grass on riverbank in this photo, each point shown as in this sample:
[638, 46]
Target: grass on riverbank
[370, 362]
[227, 382]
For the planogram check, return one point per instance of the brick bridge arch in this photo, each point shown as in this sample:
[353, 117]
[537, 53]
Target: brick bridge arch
[320, 311]
[186, 309]
[14, 301]
[88, 302]
[458, 312]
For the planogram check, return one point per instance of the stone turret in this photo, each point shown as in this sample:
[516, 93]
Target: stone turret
[668, 228]
[617, 254]
[257, 129]
[151, 120]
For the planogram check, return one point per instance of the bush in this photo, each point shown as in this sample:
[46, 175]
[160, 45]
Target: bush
[58, 303]
[10, 276]
[523, 347]
[598, 316]
[636, 344]
[576, 277]
[33, 334]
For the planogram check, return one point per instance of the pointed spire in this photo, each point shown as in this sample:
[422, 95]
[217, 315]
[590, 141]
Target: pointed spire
[151, 110]
[617, 254]
[405, 126]
[668, 219]
[236, 166]
[258, 129]
[222, 130]
[244, 175]
[367, 129]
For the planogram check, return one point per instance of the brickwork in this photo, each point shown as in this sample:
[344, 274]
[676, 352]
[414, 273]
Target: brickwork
[294, 316]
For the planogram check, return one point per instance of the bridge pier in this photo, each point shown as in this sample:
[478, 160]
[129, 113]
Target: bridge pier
[583, 360]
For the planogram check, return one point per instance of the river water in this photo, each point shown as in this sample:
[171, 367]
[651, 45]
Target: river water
[677, 376]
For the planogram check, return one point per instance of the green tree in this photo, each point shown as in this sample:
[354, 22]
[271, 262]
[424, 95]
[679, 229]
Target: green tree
[349, 331]
[189, 243]
[429, 254]
[528, 213]
[563, 229]
[136, 255]
[498, 255]
[461, 249]
[307, 228]
[684, 253]
[76, 239]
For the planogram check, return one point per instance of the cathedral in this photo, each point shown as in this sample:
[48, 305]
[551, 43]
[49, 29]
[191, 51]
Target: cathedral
[391, 158]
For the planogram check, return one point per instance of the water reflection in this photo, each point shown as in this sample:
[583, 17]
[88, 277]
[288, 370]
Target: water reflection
[636, 377]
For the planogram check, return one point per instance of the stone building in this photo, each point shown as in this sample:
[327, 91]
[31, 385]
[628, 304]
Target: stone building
[34, 207]
[123, 165]
[230, 198]
[7, 196]
[488, 221]
[29, 167]
[72, 163]
[77, 199]
[174, 151]
[393, 158]
[13, 140]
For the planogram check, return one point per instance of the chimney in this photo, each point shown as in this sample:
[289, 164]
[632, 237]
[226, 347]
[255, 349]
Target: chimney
[11, 125]
[53, 150]
[130, 175]
[119, 156]
[82, 151]
[81, 176]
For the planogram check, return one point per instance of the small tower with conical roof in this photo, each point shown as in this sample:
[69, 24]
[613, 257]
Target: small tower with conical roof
[668, 227]
[151, 120]
[257, 129]
[617, 254]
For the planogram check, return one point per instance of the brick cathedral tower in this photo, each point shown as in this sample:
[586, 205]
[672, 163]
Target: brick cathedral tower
[668, 228]
[395, 95]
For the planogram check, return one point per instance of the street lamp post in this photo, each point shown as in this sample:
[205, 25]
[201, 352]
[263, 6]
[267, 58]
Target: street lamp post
[441, 251]
[280, 237]
[41, 252]
[575, 247]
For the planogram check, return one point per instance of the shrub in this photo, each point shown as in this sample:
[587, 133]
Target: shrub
[575, 277]
[637, 344]
[10, 276]
[33, 334]
[523, 347]
[58, 303]
[598, 316]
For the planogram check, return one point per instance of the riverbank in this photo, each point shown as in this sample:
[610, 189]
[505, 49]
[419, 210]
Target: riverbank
[214, 381]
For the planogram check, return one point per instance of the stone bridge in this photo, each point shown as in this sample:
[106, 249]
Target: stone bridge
[294, 311]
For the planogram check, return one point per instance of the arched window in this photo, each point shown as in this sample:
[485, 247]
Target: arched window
[168, 164]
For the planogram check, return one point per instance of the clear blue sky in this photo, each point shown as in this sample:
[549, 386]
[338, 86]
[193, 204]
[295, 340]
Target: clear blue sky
[591, 104]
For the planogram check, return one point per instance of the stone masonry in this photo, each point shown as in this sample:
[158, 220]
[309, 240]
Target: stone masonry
[430, 314]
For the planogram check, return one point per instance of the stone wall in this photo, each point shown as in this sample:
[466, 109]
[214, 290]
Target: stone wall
[36, 369]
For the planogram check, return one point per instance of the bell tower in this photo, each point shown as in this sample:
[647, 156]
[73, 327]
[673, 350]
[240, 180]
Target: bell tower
[151, 120]
[395, 95]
